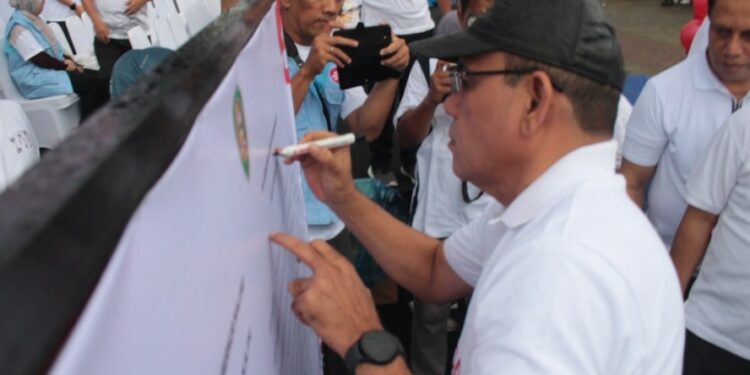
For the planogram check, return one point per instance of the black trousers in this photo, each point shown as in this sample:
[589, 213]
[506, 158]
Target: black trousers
[107, 55]
[91, 88]
[704, 358]
[381, 148]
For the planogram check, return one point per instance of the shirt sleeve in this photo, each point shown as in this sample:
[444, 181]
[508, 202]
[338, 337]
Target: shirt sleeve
[353, 99]
[646, 134]
[548, 312]
[711, 184]
[24, 42]
[416, 90]
[465, 250]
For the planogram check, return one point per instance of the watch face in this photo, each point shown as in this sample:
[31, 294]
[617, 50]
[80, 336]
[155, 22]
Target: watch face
[379, 346]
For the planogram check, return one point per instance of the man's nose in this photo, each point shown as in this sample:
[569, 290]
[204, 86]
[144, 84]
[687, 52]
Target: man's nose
[330, 8]
[734, 46]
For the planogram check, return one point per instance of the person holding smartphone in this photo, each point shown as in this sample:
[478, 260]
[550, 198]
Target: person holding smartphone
[314, 56]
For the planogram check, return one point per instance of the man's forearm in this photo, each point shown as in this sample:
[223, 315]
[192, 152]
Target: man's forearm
[405, 254]
[444, 5]
[691, 242]
[636, 193]
[414, 124]
[300, 86]
[368, 120]
[90, 8]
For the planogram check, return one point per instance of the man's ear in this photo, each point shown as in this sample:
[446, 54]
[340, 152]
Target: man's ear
[540, 91]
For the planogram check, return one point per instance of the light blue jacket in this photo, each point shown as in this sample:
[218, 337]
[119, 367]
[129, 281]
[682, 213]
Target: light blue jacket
[32, 81]
[312, 117]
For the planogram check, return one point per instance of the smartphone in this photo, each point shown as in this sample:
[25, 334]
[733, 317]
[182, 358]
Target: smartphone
[365, 68]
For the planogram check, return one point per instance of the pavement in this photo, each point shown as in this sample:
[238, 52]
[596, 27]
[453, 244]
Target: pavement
[648, 32]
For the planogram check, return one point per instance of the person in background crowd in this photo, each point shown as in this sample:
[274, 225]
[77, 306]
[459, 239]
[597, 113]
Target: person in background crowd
[444, 203]
[411, 21]
[714, 231]
[112, 19]
[567, 274]
[680, 110]
[38, 65]
[313, 56]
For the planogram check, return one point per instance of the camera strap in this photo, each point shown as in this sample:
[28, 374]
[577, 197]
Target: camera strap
[291, 51]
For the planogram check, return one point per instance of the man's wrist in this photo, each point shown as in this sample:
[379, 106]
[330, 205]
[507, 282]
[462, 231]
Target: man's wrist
[73, 6]
[430, 103]
[347, 197]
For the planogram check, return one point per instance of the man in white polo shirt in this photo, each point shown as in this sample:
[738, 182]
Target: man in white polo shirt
[568, 276]
[680, 110]
[715, 230]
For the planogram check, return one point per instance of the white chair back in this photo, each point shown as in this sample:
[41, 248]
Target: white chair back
[178, 27]
[162, 8]
[60, 36]
[197, 16]
[82, 42]
[138, 38]
[164, 34]
[214, 7]
[19, 149]
[151, 13]
[88, 25]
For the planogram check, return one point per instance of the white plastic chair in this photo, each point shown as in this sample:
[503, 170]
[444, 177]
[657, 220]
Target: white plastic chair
[18, 146]
[214, 7]
[151, 14]
[178, 27]
[60, 36]
[51, 118]
[164, 8]
[138, 38]
[164, 34]
[196, 16]
[88, 25]
[82, 42]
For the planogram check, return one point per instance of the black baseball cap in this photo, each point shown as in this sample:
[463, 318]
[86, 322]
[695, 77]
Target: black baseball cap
[573, 35]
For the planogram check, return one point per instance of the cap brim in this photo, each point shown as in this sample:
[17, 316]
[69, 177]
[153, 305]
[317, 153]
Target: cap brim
[450, 47]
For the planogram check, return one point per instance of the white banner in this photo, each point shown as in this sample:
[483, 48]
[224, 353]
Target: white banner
[194, 286]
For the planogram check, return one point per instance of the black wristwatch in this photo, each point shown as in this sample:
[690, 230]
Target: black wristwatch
[377, 347]
[72, 6]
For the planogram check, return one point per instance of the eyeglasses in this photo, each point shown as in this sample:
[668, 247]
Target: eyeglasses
[458, 73]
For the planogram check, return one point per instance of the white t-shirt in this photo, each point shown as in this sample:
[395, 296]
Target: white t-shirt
[404, 16]
[440, 209]
[624, 109]
[570, 278]
[56, 11]
[718, 308]
[18, 147]
[24, 42]
[113, 15]
[673, 121]
[353, 99]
